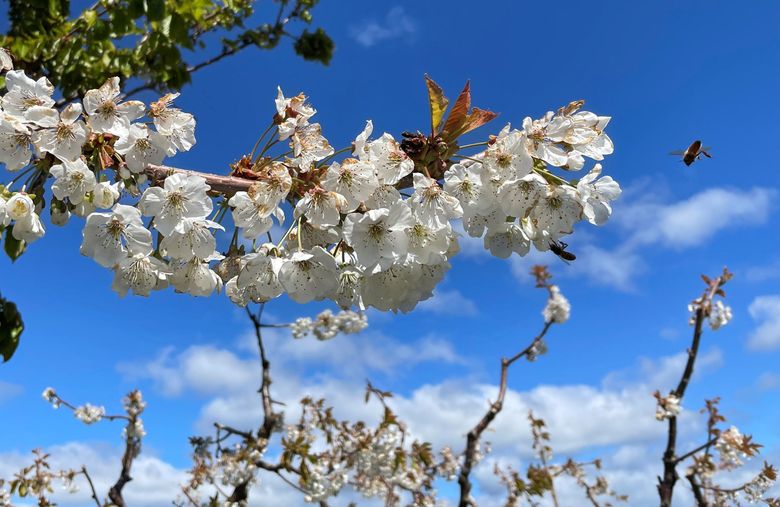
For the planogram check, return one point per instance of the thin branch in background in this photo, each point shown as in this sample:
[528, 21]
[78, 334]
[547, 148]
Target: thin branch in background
[702, 307]
[91, 485]
[473, 437]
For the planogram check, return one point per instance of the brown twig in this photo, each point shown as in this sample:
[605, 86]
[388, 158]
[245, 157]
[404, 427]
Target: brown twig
[132, 450]
[270, 418]
[696, 490]
[702, 304]
[227, 185]
[474, 435]
[694, 451]
[91, 485]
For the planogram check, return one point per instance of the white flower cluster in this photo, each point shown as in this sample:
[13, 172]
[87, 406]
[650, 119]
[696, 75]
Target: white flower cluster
[50, 395]
[730, 445]
[449, 466]
[377, 470]
[755, 490]
[19, 208]
[324, 480]
[720, 315]
[668, 406]
[30, 125]
[327, 325]
[238, 467]
[89, 414]
[558, 308]
[353, 236]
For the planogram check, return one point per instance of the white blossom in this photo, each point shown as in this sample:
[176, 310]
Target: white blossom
[353, 179]
[308, 275]
[195, 277]
[253, 212]
[720, 315]
[89, 414]
[668, 406]
[508, 155]
[558, 307]
[72, 180]
[260, 276]
[105, 194]
[15, 141]
[66, 139]
[378, 236]
[390, 161]
[28, 100]
[139, 273]
[192, 238]
[309, 146]
[142, 146]
[106, 114]
[182, 196]
[595, 195]
[322, 208]
[110, 237]
[557, 210]
[434, 207]
[292, 113]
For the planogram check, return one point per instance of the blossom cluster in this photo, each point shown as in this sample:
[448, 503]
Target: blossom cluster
[327, 324]
[667, 407]
[377, 228]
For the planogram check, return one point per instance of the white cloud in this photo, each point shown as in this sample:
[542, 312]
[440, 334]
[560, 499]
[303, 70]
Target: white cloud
[449, 302]
[764, 273]
[768, 381]
[693, 221]
[397, 25]
[611, 268]
[683, 224]
[765, 310]
[9, 390]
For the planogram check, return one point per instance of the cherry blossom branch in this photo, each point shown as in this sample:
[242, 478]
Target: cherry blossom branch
[227, 185]
[132, 450]
[702, 307]
[696, 490]
[694, 451]
[472, 439]
[91, 485]
[240, 492]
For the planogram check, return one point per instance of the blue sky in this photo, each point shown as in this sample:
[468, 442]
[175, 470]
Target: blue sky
[667, 73]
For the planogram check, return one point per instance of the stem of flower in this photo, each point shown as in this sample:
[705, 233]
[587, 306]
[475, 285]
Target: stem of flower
[259, 140]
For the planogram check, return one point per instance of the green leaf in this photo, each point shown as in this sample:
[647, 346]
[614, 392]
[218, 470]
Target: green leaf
[11, 327]
[316, 46]
[438, 102]
[155, 10]
[13, 247]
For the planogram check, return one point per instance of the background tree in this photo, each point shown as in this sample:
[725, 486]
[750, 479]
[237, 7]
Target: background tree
[145, 42]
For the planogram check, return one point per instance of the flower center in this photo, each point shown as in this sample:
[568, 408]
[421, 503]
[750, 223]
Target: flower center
[376, 231]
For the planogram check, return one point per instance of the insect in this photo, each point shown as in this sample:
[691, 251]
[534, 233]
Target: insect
[693, 152]
[559, 249]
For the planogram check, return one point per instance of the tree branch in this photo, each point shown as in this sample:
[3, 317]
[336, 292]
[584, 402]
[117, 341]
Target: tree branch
[227, 185]
[91, 485]
[667, 482]
[132, 449]
[472, 439]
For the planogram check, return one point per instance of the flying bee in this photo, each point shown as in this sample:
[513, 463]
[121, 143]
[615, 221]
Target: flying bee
[693, 152]
[559, 249]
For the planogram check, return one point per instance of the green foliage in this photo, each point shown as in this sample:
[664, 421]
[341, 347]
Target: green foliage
[11, 327]
[145, 39]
